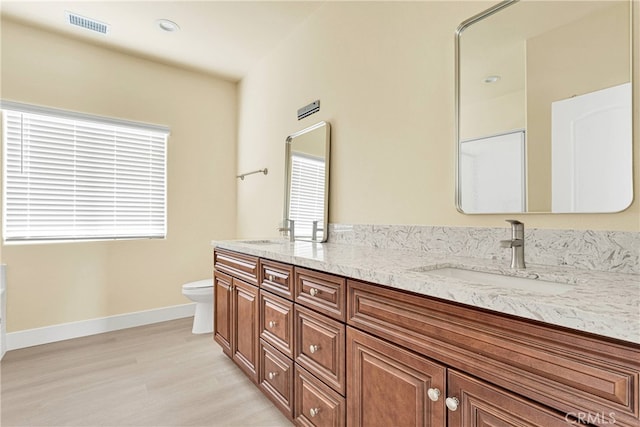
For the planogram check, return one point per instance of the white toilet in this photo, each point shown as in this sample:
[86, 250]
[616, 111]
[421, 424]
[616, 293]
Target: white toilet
[201, 292]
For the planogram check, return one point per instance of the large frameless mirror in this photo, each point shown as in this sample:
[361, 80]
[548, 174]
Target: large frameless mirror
[306, 206]
[544, 108]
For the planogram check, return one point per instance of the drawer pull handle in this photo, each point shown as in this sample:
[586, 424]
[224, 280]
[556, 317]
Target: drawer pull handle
[272, 324]
[271, 278]
[314, 348]
[272, 375]
[313, 292]
[313, 412]
[434, 394]
[452, 403]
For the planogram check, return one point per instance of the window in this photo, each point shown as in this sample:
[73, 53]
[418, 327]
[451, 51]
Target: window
[306, 204]
[70, 176]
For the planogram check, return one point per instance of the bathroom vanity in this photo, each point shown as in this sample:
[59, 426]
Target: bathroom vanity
[432, 326]
[336, 334]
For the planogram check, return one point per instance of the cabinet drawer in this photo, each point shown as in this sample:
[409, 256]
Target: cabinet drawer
[242, 266]
[277, 278]
[276, 378]
[569, 371]
[315, 403]
[276, 322]
[322, 292]
[320, 347]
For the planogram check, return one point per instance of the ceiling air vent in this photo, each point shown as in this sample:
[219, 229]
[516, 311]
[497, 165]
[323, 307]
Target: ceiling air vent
[87, 23]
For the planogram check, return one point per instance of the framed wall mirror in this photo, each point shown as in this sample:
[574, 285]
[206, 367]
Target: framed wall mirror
[544, 108]
[306, 204]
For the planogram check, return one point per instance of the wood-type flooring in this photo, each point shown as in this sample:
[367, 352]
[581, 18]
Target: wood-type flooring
[154, 375]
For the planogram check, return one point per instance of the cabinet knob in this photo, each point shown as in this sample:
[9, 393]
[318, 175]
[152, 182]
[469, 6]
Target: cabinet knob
[272, 375]
[313, 412]
[313, 292]
[434, 394]
[272, 324]
[314, 348]
[452, 403]
[271, 277]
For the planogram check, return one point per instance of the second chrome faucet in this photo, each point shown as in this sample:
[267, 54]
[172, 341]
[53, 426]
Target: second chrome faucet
[516, 244]
[290, 229]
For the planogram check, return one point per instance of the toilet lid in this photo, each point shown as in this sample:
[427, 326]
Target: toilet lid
[206, 283]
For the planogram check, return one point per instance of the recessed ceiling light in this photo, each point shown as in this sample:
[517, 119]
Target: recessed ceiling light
[167, 25]
[492, 79]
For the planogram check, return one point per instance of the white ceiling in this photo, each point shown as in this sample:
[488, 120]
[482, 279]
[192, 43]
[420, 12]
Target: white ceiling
[220, 37]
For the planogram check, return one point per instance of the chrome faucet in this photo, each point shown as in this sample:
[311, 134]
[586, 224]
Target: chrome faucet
[290, 229]
[516, 244]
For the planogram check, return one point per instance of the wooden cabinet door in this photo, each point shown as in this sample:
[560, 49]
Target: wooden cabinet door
[223, 316]
[479, 404]
[389, 386]
[245, 332]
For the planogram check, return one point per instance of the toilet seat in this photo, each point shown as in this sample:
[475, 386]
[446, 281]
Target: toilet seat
[206, 283]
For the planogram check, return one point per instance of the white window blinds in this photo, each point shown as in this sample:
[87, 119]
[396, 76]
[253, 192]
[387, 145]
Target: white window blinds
[306, 203]
[68, 178]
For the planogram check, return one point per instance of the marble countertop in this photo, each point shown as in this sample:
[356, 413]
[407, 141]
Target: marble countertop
[602, 303]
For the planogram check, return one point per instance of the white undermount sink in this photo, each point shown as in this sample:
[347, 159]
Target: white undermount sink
[499, 280]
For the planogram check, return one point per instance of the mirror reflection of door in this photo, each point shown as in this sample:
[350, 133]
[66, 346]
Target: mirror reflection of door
[591, 159]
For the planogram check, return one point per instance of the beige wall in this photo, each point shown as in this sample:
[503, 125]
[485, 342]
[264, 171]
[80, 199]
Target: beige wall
[383, 72]
[55, 283]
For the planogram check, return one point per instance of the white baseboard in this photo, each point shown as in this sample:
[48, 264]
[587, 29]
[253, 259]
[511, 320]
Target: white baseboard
[83, 328]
